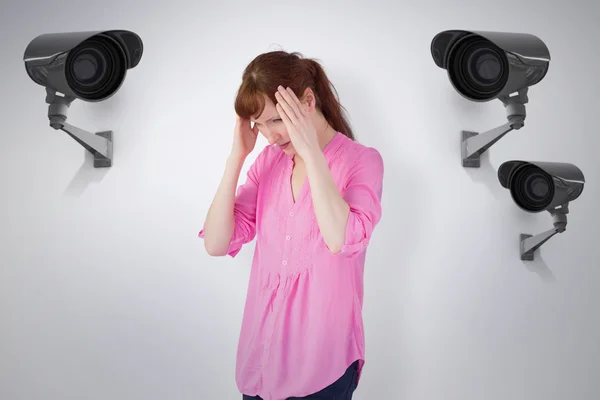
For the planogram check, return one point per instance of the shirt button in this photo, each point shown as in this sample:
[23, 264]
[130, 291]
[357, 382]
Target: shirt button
[292, 213]
[284, 262]
[287, 237]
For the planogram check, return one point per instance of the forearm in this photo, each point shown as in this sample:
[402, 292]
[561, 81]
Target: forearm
[331, 210]
[220, 222]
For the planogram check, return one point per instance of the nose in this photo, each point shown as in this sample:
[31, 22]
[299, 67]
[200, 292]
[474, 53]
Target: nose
[274, 138]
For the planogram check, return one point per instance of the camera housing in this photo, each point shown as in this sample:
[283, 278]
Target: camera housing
[90, 66]
[537, 186]
[485, 65]
[541, 186]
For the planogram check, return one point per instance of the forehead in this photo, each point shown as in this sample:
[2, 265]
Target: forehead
[269, 113]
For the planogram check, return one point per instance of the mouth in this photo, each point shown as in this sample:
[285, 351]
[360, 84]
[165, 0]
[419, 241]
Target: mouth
[284, 146]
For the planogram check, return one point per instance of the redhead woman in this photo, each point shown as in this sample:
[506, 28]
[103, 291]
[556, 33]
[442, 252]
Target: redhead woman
[312, 199]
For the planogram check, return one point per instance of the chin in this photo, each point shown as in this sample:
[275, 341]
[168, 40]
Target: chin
[288, 149]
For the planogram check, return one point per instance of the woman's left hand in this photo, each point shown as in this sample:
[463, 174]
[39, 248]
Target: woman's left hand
[299, 126]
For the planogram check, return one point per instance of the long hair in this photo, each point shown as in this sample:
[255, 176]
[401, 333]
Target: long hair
[267, 71]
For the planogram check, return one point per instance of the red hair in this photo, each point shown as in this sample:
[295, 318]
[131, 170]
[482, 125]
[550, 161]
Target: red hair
[269, 70]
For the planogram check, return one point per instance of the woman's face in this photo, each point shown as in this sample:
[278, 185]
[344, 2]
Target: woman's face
[271, 126]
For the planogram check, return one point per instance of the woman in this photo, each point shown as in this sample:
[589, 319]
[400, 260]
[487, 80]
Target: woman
[312, 199]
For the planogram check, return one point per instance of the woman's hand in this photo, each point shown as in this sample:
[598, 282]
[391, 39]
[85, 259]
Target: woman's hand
[244, 137]
[297, 121]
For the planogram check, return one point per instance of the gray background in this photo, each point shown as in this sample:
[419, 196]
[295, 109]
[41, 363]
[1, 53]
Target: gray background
[107, 293]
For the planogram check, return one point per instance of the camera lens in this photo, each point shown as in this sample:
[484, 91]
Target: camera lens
[479, 69]
[96, 68]
[532, 188]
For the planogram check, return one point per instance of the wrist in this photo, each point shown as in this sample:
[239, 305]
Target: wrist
[236, 158]
[234, 163]
[313, 156]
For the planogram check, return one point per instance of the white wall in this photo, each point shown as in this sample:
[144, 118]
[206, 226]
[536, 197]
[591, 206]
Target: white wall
[107, 293]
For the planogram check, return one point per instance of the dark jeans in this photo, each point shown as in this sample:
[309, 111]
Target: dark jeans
[342, 389]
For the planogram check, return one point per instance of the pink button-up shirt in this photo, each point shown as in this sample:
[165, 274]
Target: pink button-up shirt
[302, 324]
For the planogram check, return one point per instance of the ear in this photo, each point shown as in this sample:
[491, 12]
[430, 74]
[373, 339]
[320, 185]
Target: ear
[308, 99]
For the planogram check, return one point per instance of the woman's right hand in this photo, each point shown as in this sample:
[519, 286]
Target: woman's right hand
[244, 137]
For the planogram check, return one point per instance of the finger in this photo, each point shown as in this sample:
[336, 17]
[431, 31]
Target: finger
[295, 100]
[290, 99]
[287, 110]
[300, 109]
[284, 116]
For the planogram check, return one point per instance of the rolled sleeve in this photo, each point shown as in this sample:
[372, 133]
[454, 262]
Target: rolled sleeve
[244, 210]
[363, 194]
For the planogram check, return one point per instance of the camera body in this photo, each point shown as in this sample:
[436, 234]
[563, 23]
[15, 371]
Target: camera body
[485, 65]
[89, 66]
[537, 186]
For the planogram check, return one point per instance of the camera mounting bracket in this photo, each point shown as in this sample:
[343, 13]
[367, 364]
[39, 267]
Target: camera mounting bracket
[528, 244]
[99, 144]
[473, 144]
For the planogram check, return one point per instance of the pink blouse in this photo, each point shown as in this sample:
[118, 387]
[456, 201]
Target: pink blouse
[302, 324]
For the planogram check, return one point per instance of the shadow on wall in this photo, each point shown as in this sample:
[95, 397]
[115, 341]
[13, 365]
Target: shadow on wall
[110, 114]
[539, 267]
[85, 175]
[468, 111]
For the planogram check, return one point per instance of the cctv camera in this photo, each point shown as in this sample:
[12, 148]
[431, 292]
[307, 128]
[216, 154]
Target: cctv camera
[541, 186]
[90, 66]
[483, 66]
[538, 186]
